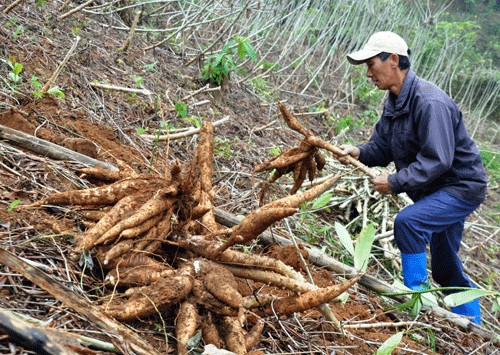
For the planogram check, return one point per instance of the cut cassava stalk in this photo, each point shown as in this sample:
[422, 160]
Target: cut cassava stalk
[69, 299]
[48, 149]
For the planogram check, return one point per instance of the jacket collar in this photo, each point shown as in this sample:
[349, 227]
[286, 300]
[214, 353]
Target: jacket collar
[398, 105]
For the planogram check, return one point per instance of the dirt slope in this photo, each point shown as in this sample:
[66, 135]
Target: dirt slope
[103, 124]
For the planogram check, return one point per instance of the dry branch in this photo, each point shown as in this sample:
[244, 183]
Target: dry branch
[31, 337]
[121, 88]
[12, 6]
[127, 42]
[61, 65]
[76, 9]
[76, 302]
[49, 149]
[171, 137]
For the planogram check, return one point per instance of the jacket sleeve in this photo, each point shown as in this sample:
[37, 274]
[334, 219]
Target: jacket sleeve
[377, 152]
[437, 147]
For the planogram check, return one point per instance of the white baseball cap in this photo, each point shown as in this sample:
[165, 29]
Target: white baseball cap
[379, 42]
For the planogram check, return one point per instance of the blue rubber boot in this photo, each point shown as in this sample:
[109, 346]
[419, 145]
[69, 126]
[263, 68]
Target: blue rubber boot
[415, 271]
[470, 310]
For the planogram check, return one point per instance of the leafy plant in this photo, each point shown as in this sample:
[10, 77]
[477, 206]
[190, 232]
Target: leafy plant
[195, 121]
[347, 122]
[138, 80]
[223, 147]
[15, 70]
[181, 109]
[38, 93]
[217, 67]
[360, 250]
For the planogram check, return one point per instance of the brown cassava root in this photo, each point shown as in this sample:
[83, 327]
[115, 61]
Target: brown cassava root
[156, 236]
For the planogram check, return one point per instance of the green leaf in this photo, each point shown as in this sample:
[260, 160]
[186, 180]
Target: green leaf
[458, 298]
[390, 344]
[363, 247]
[322, 201]
[181, 109]
[56, 91]
[13, 205]
[250, 51]
[17, 68]
[194, 341]
[241, 50]
[344, 237]
[495, 307]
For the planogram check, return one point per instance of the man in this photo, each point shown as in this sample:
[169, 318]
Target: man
[437, 164]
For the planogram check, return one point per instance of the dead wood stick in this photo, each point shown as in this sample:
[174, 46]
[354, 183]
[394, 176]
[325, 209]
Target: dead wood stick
[27, 331]
[127, 338]
[54, 76]
[320, 259]
[49, 149]
[121, 88]
[127, 42]
[76, 9]
[165, 137]
[29, 336]
[11, 6]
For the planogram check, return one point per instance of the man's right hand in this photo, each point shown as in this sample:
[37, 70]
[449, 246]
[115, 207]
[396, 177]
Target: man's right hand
[348, 150]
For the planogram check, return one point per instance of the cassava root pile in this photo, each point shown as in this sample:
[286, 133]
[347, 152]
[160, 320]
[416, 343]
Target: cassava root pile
[157, 239]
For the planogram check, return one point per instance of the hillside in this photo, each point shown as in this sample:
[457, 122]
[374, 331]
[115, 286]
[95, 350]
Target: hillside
[141, 109]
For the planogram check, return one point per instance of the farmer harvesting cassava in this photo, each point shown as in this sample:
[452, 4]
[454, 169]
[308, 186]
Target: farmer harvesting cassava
[437, 165]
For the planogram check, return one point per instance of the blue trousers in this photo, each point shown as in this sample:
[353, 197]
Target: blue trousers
[438, 220]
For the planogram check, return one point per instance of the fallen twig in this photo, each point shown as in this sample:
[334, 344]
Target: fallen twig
[70, 299]
[121, 88]
[11, 6]
[49, 149]
[76, 9]
[47, 86]
[127, 42]
[165, 137]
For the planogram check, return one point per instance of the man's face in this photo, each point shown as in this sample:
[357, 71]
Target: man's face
[380, 72]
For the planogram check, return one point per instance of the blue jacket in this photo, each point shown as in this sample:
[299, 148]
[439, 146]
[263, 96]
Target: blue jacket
[423, 132]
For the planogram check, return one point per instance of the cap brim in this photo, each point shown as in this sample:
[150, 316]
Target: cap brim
[361, 56]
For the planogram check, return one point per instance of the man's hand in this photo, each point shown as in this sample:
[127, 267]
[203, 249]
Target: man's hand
[348, 150]
[381, 184]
